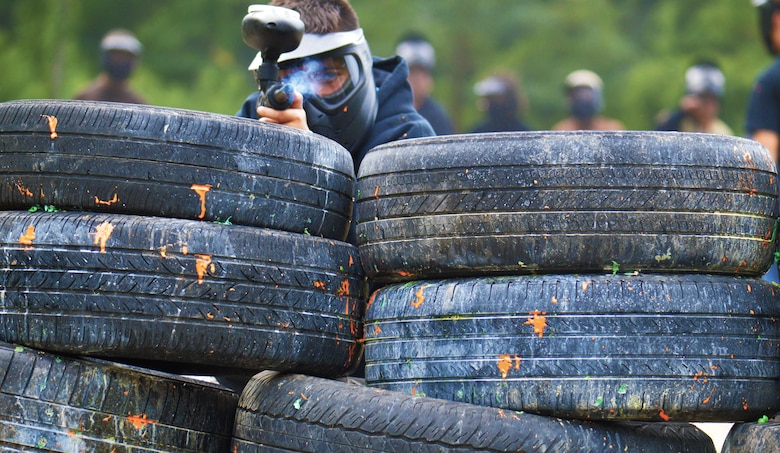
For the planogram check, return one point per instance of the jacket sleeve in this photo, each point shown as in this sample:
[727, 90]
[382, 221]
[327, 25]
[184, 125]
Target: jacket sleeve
[249, 108]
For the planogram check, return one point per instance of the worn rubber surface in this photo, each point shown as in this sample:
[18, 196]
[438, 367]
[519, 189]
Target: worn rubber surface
[156, 161]
[62, 404]
[518, 203]
[656, 348]
[752, 438]
[180, 291]
[308, 414]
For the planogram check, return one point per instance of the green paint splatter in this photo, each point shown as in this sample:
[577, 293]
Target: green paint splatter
[19, 349]
[459, 394]
[763, 420]
[297, 404]
[45, 208]
[622, 389]
[599, 401]
[615, 267]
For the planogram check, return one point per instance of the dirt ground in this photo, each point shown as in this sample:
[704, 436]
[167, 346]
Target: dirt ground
[717, 431]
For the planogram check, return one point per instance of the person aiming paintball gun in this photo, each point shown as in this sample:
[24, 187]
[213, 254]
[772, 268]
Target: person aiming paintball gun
[339, 90]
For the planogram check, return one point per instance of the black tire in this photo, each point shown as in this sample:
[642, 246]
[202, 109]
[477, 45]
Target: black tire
[518, 203]
[753, 438]
[679, 348]
[307, 414]
[180, 292]
[54, 403]
[139, 159]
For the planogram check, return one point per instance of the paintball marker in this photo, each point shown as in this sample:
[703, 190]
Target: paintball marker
[272, 31]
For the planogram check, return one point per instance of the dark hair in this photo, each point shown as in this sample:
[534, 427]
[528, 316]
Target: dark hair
[323, 16]
[413, 36]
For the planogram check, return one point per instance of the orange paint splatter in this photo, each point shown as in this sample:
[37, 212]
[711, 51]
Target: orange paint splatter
[663, 415]
[420, 298]
[538, 321]
[377, 330]
[370, 301]
[585, 285]
[98, 201]
[102, 233]
[52, 120]
[140, 421]
[319, 284]
[504, 364]
[405, 274]
[23, 190]
[376, 192]
[343, 288]
[203, 264]
[201, 190]
[351, 261]
[28, 237]
[707, 400]
[517, 362]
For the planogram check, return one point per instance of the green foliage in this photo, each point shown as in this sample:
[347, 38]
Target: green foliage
[194, 57]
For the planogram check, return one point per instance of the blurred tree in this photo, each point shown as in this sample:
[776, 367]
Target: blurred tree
[194, 56]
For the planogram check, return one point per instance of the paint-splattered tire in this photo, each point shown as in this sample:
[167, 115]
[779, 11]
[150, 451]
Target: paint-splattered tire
[308, 414]
[518, 203]
[55, 403]
[651, 348]
[132, 159]
[753, 437]
[180, 292]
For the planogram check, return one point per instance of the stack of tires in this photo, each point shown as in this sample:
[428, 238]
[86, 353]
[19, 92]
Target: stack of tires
[549, 292]
[173, 242]
[610, 277]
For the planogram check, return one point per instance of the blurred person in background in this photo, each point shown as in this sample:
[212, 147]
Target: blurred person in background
[120, 52]
[585, 101]
[421, 57]
[699, 109]
[763, 112]
[502, 103]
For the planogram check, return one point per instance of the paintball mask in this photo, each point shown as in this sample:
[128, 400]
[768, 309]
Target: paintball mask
[119, 53]
[333, 73]
[584, 91]
[766, 9]
[705, 78]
